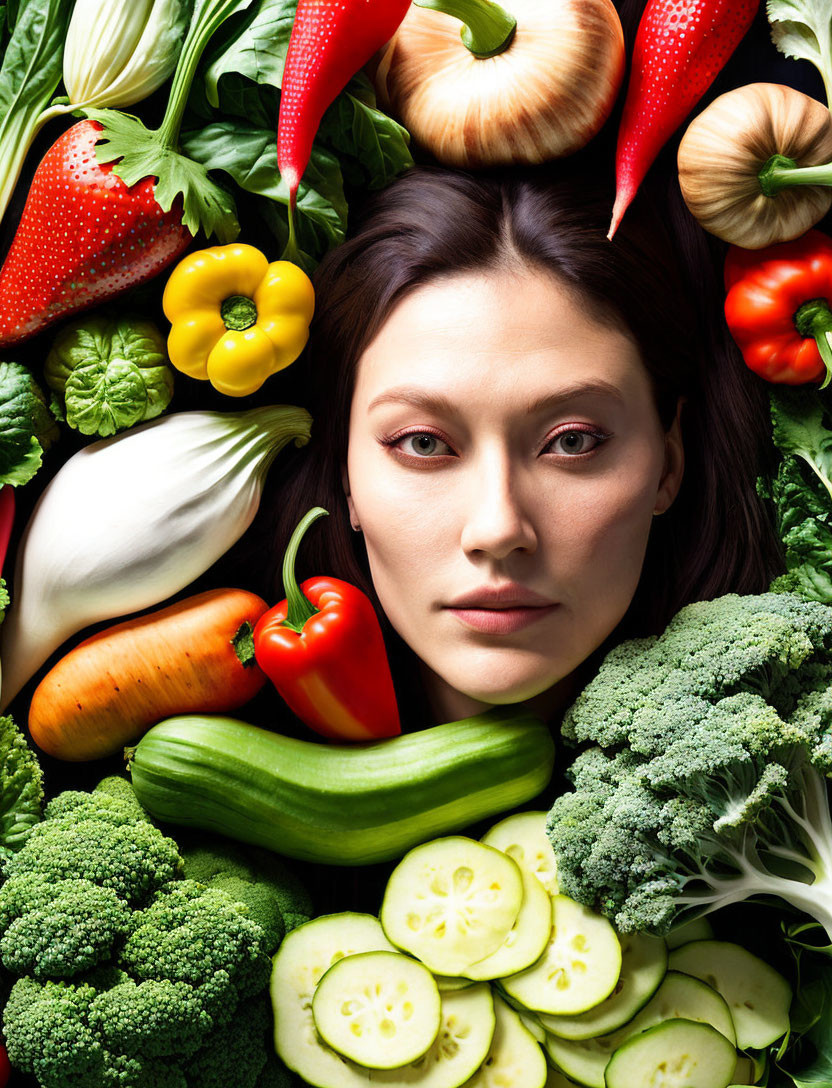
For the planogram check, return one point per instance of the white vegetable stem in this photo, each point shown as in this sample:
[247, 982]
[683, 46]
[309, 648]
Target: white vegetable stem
[118, 52]
[131, 520]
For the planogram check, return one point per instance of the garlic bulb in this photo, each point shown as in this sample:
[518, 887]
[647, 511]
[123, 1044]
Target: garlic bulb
[118, 52]
[745, 165]
[542, 95]
[131, 520]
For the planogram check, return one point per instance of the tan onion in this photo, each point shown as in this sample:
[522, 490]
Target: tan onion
[727, 148]
[544, 96]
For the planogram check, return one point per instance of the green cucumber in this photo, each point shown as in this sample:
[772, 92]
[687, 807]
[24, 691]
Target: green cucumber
[380, 1009]
[451, 903]
[526, 939]
[523, 837]
[675, 1054]
[515, 1059]
[338, 804]
[579, 966]
[757, 995]
[643, 966]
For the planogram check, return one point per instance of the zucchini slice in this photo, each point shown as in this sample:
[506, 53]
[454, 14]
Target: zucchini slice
[451, 903]
[675, 1054]
[515, 1059]
[578, 968]
[523, 837]
[757, 995]
[643, 966]
[700, 929]
[525, 940]
[584, 1060]
[380, 1009]
[305, 955]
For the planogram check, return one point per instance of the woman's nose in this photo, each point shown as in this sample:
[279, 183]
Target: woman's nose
[497, 521]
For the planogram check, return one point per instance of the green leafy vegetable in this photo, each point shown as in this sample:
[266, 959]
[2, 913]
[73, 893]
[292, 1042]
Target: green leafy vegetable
[254, 47]
[29, 76]
[802, 29]
[21, 786]
[27, 427]
[111, 373]
[801, 491]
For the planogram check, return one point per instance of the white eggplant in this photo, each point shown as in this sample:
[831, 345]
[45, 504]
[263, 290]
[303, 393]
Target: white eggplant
[131, 520]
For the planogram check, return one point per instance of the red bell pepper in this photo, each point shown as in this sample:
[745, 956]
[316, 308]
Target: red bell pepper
[680, 48]
[330, 41]
[5, 1067]
[779, 308]
[6, 520]
[323, 650]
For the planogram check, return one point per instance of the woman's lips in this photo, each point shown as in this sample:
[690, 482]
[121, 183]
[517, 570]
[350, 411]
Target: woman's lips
[501, 621]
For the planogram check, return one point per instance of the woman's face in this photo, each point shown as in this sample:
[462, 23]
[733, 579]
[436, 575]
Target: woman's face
[505, 462]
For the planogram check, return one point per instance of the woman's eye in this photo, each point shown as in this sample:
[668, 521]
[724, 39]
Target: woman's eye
[423, 444]
[574, 442]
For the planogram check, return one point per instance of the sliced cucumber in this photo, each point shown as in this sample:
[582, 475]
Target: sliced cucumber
[578, 968]
[515, 1059]
[700, 929]
[532, 1025]
[451, 903]
[757, 995]
[462, 1045]
[558, 1080]
[675, 1054]
[643, 965]
[380, 1009]
[526, 939]
[305, 955]
[746, 1071]
[448, 983]
[523, 837]
[584, 1060]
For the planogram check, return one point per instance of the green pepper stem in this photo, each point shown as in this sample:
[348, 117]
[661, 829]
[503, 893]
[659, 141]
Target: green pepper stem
[814, 318]
[783, 173]
[299, 609]
[488, 29]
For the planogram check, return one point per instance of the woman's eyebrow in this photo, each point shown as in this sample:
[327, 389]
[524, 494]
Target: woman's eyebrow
[438, 402]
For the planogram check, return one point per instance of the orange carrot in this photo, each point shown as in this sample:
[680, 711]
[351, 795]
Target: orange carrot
[195, 656]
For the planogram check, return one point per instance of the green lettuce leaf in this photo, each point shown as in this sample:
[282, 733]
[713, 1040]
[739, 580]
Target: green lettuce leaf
[21, 788]
[27, 427]
[254, 47]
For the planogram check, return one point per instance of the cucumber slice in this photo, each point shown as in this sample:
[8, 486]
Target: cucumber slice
[523, 837]
[757, 995]
[532, 1025]
[515, 1059]
[676, 1054]
[526, 939]
[558, 1080]
[380, 1009]
[643, 965]
[700, 929]
[451, 903]
[584, 1060]
[448, 983]
[578, 968]
[305, 955]
[746, 1071]
[462, 1045]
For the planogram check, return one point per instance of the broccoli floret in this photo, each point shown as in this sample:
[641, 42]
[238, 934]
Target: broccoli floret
[705, 785]
[58, 929]
[96, 838]
[237, 1053]
[199, 935]
[157, 1018]
[275, 898]
[21, 788]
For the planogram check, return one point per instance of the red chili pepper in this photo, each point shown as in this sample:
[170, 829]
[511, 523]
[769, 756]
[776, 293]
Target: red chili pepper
[330, 41]
[779, 308]
[680, 48]
[5, 1067]
[323, 650]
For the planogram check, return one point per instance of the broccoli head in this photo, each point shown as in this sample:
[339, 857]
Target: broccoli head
[705, 784]
[273, 896]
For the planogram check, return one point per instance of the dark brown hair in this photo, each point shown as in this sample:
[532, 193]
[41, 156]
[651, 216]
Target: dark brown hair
[658, 277]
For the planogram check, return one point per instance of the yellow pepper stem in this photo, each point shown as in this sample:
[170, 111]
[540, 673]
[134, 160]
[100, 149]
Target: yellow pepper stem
[239, 312]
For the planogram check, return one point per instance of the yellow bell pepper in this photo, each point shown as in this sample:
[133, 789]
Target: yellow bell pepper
[235, 318]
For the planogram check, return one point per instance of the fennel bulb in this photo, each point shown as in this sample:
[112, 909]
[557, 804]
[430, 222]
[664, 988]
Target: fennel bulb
[131, 520]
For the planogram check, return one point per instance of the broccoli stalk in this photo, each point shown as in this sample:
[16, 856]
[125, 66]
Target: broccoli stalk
[706, 784]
